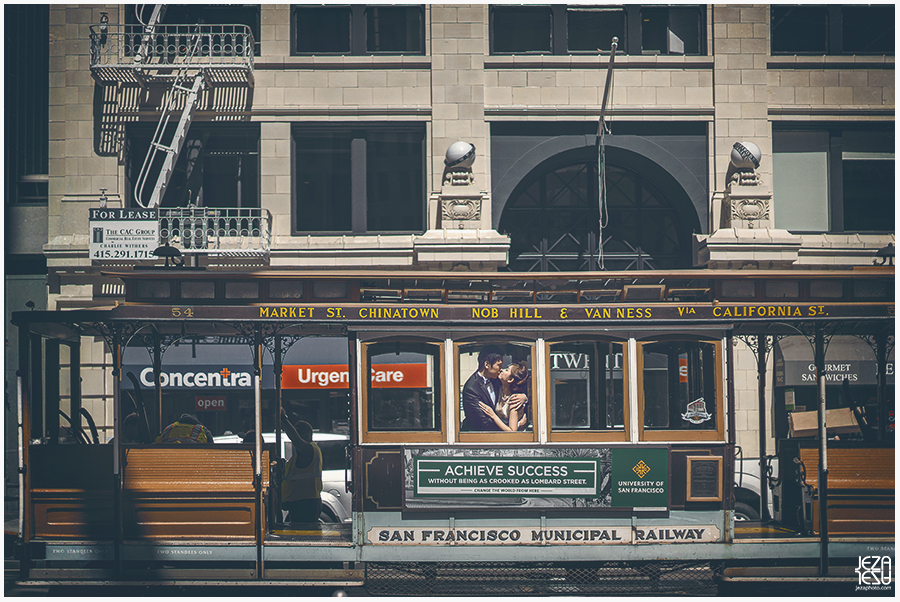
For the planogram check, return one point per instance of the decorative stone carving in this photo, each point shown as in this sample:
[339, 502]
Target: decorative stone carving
[745, 177]
[750, 210]
[459, 176]
[461, 209]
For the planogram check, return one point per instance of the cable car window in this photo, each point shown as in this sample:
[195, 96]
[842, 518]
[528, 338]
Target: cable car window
[680, 386]
[587, 385]
[402, 394]
[496, 388]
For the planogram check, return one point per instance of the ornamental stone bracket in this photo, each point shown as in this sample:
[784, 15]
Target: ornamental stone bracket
[747, 207]
[460, 211]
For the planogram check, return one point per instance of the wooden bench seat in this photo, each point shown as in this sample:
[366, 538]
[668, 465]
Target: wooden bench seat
[860, 490]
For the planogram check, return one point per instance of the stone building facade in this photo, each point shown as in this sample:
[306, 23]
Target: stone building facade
[529, 104]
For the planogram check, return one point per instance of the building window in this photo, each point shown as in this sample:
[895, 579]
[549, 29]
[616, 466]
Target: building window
[218, 166]
[553, 222]
[359, 179]
[561, 29]
[833, 180]
[358, 29]
[833, 29]
[27, 77]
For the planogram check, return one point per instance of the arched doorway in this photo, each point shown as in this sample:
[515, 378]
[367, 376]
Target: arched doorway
[553, 221]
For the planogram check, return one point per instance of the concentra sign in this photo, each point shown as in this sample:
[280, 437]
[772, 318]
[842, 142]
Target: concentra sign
[309, 377]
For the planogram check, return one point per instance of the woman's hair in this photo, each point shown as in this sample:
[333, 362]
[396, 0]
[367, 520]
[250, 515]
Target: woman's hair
[521, 378]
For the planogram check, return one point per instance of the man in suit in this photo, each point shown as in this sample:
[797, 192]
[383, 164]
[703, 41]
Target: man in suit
[484, 386]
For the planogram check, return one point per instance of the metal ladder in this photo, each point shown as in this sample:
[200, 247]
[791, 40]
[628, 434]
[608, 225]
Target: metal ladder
[173, 148]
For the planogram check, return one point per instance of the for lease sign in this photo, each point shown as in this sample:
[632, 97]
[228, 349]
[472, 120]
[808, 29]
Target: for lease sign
[123, 233]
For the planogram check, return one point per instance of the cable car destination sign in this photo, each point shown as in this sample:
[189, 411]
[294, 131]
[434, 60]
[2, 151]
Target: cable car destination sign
[358, 313]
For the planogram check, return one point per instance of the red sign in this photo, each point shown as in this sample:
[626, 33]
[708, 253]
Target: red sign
[682, 370]
[337, 376]
[206, 404]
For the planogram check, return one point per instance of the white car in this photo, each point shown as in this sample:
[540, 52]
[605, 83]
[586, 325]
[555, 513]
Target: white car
[335, 497]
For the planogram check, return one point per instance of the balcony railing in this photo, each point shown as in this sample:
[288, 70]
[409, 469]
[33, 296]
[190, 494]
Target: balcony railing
[215, 231]
[220, 48]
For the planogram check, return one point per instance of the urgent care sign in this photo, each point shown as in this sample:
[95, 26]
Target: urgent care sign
[337, 376]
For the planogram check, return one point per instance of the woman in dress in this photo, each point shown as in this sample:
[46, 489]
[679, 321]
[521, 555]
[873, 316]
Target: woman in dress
[515, 378]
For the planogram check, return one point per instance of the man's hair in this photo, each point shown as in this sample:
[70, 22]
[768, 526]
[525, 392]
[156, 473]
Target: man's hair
[304, 430]
[131, 420]
[490, 355]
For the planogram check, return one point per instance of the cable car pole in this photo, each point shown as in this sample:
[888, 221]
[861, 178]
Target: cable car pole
[823, 451]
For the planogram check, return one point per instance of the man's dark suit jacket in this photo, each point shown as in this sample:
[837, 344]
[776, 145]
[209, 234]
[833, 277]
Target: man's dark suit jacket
[475, 390]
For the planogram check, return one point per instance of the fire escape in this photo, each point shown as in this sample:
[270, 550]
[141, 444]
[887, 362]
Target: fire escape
[184, 59]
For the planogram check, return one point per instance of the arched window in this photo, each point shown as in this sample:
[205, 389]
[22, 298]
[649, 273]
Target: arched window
[553, 220]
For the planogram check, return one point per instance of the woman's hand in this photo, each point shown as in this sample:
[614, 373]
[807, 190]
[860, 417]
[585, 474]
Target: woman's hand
[487, 410]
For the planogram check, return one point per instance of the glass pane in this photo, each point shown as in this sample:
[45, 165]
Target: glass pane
[198, 289]
[491, 372]
[394, 29]
[403, 387]
[395, 186]
[153, 289]
[868, 195]
[800, 180]
[586, 390]
[590, 29]
[241, 290]
[799, 29]
[323, 182]
[868, 29]
[679, 385]
[517, 29]
[323, 29]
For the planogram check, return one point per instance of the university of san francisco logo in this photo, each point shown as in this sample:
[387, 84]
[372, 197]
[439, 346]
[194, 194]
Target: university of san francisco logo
[641, 469]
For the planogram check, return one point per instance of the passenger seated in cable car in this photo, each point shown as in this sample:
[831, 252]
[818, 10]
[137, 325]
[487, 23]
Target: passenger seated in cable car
[187, 429]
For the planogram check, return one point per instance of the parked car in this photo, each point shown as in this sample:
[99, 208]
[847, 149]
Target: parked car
[747, 491]
[335, 497]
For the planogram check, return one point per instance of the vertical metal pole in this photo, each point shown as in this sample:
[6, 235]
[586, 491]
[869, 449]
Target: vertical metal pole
[51, 388]
[761, 345]
[823, 451]
[23, 381]
[35, 397]
[881, 360]
[257, 460]
[117, 448]
[75, 382]
[275, 485]
[157, 386]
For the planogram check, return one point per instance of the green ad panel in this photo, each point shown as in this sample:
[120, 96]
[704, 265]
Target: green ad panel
[640, 478]
[452, 477]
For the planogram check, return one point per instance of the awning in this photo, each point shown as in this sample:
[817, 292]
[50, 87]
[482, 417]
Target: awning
[846, 357]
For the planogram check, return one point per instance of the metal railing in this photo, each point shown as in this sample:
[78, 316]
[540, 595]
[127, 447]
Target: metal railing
[221, 231]
[167, 46]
